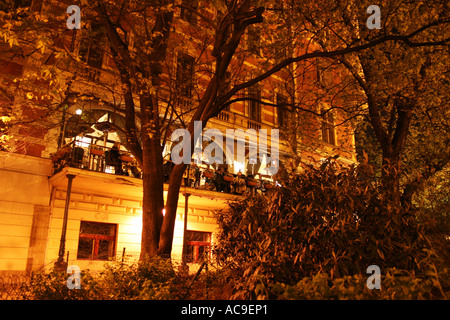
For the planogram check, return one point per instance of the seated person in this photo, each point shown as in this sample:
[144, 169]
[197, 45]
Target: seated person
[219, 182]
[113, 158]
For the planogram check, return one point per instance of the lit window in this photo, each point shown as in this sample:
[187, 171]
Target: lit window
[97, 241]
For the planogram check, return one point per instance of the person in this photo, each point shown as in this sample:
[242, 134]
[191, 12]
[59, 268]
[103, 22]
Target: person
[114, 157]
[197, 175]
[227, 179]
[188, 176]
[238, 183]
[167, 170]
[219, 182]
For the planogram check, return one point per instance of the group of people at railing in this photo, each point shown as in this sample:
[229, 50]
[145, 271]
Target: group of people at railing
[96, 158]
[119, 162]
[220, 179]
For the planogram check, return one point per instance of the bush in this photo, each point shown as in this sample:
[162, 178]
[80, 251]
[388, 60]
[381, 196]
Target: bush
[157, 279]
[328, 220]
[395, 285]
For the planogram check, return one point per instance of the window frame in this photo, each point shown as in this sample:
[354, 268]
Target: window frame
[196, 244]
[96, 238]
[282, 112]
[186, 14]
[185, 79]
[254, 107]
[327, 127]
[93, 46]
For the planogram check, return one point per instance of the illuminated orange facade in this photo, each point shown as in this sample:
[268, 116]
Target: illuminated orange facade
[104, 210]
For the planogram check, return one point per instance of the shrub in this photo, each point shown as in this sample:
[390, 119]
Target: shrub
[143, 280]
[395, 285]
[329, 219]
[156, 279]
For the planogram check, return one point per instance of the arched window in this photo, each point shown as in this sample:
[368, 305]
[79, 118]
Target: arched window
[95, 140]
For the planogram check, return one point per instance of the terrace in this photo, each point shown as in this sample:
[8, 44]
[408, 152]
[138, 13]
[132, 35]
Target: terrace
[84, 152]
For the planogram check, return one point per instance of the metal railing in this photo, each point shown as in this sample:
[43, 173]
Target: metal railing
[12, 287]
[95, 158]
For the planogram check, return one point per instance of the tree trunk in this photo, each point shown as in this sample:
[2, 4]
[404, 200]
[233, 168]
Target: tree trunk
[390, 177]
[153, 196]
[168, 226]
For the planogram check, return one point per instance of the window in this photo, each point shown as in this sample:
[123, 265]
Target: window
[22, 3]
[91, 49]
[97, 241]
[187, 14]
[327, 127]
[198, 244]
[185, 75]
[282, 109]
[7, 6]
[254, 40]
[254, 108]
[225, 87]
[324, 75]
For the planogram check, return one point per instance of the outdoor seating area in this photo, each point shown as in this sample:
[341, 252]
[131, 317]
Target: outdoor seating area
[114, 160]
[96, 158]
[220, 180]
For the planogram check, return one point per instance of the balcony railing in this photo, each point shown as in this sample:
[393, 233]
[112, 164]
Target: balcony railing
[107, 160]
[236, 119]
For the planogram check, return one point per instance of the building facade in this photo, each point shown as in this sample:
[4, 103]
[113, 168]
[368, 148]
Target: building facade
[74, 190]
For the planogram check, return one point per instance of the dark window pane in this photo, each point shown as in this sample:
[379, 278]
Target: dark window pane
[85, 248]
[185, 75]
[105, 249]
[187, 10]
[96, 241]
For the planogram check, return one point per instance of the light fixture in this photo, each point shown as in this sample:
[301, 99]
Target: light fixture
[78, 112]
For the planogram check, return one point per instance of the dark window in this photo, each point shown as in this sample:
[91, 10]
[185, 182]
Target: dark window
[22, 3]
[198, 244]
[185, 75]
[254, 110]
[97, 241]
[327, 127]
[282, 109]
[187, 10]
[225, 86]
[254, 40]
[92, 48]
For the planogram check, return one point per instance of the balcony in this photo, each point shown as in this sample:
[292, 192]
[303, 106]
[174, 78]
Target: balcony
[101, 159]
[237, 120]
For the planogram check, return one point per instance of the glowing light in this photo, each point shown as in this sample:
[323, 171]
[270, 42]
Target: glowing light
[78, 112]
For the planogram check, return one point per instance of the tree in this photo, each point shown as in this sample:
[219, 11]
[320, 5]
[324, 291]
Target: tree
[139, 38]
[404, 85]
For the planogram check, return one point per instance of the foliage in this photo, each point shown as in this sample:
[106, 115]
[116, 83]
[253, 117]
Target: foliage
[395, 285]
[155, 279]
[329, 219]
